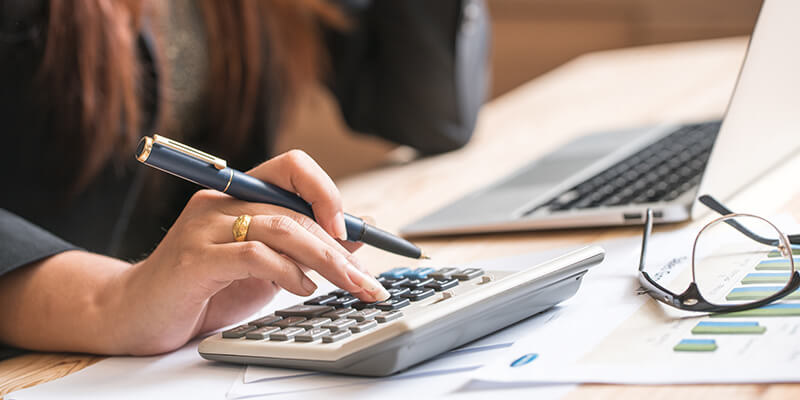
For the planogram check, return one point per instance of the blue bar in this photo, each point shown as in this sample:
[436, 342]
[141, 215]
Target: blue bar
[420, 273]
[726, 323]
[698, 341]
[757, 289]
[779, 260]
[396, 273]
[782, 305]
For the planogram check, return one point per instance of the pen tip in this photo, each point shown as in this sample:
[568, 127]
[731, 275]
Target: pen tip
[423, 256]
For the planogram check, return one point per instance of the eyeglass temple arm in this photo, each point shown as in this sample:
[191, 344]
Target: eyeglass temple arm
[715, 205]
[648, 228]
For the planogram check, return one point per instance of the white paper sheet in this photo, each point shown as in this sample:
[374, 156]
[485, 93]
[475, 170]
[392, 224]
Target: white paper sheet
[441, 375]
[609, 334]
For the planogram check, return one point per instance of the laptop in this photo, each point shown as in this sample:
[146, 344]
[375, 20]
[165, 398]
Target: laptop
[610, 178]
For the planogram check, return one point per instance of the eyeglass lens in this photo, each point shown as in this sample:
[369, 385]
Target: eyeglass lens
[731, 268]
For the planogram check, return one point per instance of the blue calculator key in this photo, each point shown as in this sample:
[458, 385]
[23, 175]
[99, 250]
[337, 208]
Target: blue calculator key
[420, 273]
[397, 273]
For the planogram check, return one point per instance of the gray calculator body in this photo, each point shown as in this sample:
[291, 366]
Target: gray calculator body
[429, 327]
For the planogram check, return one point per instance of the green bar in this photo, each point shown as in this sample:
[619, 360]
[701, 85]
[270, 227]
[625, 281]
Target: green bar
[773, 310]
[759, 295]
[750, 279]
[685, 345]
[774, 267]
[728, 330]
[776, 253]
[776, 264]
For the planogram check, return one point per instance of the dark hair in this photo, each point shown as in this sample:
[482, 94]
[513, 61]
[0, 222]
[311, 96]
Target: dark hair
[91, 70]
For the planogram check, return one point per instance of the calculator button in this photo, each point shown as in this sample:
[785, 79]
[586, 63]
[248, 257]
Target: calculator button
[443, 273]
[362, 305]
[445, 284]
[396, 273]
[303, 310]
[393, 304]
[419, 294]
[364, 315]
[339, 293]
[387, 316]
[336, 336]
[312, 335]
[467, 274]
[363, 326]
[321, 300]
[339, 324]
[286, 333]
[417, 283]
[262, 333]
[345, 301]
[339, 313]
[289, 321]
[313, 323]
[393, 283]
[238, 332]
[420, 273]
[264, 321]
[398, 292]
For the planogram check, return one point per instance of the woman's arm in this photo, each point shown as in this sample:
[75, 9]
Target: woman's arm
[413, 71]
[198, 279]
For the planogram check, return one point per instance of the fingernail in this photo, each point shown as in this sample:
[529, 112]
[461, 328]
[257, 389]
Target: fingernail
[339, 226]
[368, 283]
[309, 285]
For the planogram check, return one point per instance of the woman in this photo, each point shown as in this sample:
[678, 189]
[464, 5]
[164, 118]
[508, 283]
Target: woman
[82, 81]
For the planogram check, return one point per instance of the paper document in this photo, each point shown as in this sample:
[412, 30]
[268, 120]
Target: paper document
[609, 334]
[441, 375]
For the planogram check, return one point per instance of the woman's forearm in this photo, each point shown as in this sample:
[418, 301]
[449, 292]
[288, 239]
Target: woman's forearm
[65, 302]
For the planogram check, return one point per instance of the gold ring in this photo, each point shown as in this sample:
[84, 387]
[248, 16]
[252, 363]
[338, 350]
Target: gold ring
[240, 227]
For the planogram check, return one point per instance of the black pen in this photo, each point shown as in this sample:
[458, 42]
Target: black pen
[212, 172]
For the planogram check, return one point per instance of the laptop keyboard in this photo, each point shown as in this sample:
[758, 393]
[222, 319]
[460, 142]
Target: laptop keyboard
[659, 172]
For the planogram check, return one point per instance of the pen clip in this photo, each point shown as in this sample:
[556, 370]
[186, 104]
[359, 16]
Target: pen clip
[217, 162]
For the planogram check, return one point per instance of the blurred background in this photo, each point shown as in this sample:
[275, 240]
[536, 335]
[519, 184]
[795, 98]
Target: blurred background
[529, 38]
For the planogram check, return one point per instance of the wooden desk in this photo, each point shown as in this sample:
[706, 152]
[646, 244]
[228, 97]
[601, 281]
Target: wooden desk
[688, 81]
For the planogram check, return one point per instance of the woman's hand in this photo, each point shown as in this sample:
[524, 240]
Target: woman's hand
[199, 279]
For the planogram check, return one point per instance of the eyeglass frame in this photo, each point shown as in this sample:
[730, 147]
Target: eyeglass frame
[691, 299]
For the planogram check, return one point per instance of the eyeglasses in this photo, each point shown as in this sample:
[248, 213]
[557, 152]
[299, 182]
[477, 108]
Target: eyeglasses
[725, 251]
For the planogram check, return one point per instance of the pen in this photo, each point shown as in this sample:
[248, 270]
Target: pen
[212, 172]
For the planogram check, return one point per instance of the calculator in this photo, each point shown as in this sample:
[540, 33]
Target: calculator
[430, 311]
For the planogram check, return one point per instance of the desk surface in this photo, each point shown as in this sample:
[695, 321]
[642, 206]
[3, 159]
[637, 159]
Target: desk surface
[607, 90]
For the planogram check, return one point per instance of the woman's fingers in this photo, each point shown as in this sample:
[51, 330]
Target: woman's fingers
[241, 260]
[285, 235]
[236, 208]
[297, 172]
